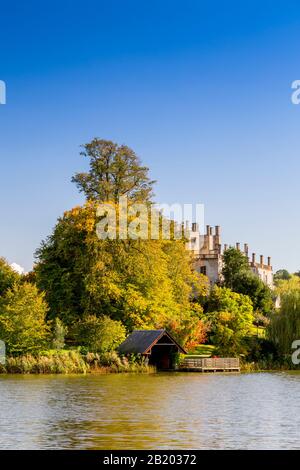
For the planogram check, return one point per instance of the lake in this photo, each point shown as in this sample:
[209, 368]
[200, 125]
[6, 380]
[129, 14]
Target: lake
[157, 411]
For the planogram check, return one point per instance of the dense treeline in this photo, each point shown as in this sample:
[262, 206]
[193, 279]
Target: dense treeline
[85, 294]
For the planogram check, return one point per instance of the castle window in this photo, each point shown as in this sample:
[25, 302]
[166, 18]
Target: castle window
[203, 270]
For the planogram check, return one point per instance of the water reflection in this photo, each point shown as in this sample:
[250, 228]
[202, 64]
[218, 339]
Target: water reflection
[180, 410]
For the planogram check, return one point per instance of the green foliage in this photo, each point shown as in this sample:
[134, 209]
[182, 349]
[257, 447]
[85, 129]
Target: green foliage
[230, 316]
[114, 171]
[248, 283]
[235, 263]
[100, 334]
[284, 286]
[239, 278]
[282, 274]
[111, 362]
[72, 362]
[48, 362]
[8, 277]
[22, 319]
[143, 283]
[59, 333]
[284, 326]
[203, 350]
[261, 350]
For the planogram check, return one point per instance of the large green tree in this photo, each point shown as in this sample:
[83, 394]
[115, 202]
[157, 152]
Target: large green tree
[234, 263]
[143, 283]
[239, 278]
[230, 316]
[282, 274]
[284, 327]
[115, 170]
[22, 319]
[8, 277]
[248, 283]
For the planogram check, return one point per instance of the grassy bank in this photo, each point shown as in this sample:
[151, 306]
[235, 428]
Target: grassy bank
[72, 362]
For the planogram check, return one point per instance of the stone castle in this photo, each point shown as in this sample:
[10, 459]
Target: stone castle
[208, 253]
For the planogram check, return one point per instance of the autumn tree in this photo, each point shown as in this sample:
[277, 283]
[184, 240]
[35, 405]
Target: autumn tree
[143, 283]
[8, 277]
[22, 319]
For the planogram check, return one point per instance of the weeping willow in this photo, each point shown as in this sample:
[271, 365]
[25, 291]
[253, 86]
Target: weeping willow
[284, 327]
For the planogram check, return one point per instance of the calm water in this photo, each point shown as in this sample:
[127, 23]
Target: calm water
[175, 410]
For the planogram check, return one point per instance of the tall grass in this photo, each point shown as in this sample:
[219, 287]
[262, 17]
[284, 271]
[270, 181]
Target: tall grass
[58, 362]
[112, 362]
[72, 362]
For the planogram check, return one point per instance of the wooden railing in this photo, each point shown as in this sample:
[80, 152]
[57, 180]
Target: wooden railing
[211, 364]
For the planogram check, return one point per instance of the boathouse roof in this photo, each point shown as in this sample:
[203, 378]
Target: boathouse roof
[141, 341]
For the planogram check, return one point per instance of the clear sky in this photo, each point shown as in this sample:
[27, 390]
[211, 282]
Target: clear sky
[201, 90]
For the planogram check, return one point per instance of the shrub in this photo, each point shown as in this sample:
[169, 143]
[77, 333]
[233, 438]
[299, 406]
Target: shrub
[100, 334]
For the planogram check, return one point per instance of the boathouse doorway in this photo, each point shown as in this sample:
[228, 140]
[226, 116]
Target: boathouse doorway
[158, 346]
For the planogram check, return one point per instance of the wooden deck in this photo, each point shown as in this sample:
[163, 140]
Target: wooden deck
[210, 364]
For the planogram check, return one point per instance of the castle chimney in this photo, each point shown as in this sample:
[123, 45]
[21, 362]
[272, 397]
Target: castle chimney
[210, 230]
[195, 227]
[269, 260]
[220, 248]
[238, 246]
[253, 258]
[207, 229]
[246, 249]
[217, 230]
[225, 247]
[261, 260]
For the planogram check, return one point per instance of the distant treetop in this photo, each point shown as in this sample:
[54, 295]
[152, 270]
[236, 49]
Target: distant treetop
[115, 170]
[282, 274]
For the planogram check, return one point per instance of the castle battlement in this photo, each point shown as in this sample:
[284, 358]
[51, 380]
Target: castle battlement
[208, 252]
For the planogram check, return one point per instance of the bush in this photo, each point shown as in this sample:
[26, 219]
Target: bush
[99, 334]
[261, 349]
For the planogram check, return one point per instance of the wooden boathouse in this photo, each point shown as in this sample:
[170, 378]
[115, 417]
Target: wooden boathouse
[160, 348]
[157, 345]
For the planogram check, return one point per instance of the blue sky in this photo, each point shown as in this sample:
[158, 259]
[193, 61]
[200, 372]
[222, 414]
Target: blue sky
[200, 90]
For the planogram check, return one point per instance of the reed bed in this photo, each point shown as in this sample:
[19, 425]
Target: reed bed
[73, 362]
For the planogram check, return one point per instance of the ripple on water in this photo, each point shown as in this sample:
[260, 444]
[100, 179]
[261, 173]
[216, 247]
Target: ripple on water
[166, 410]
